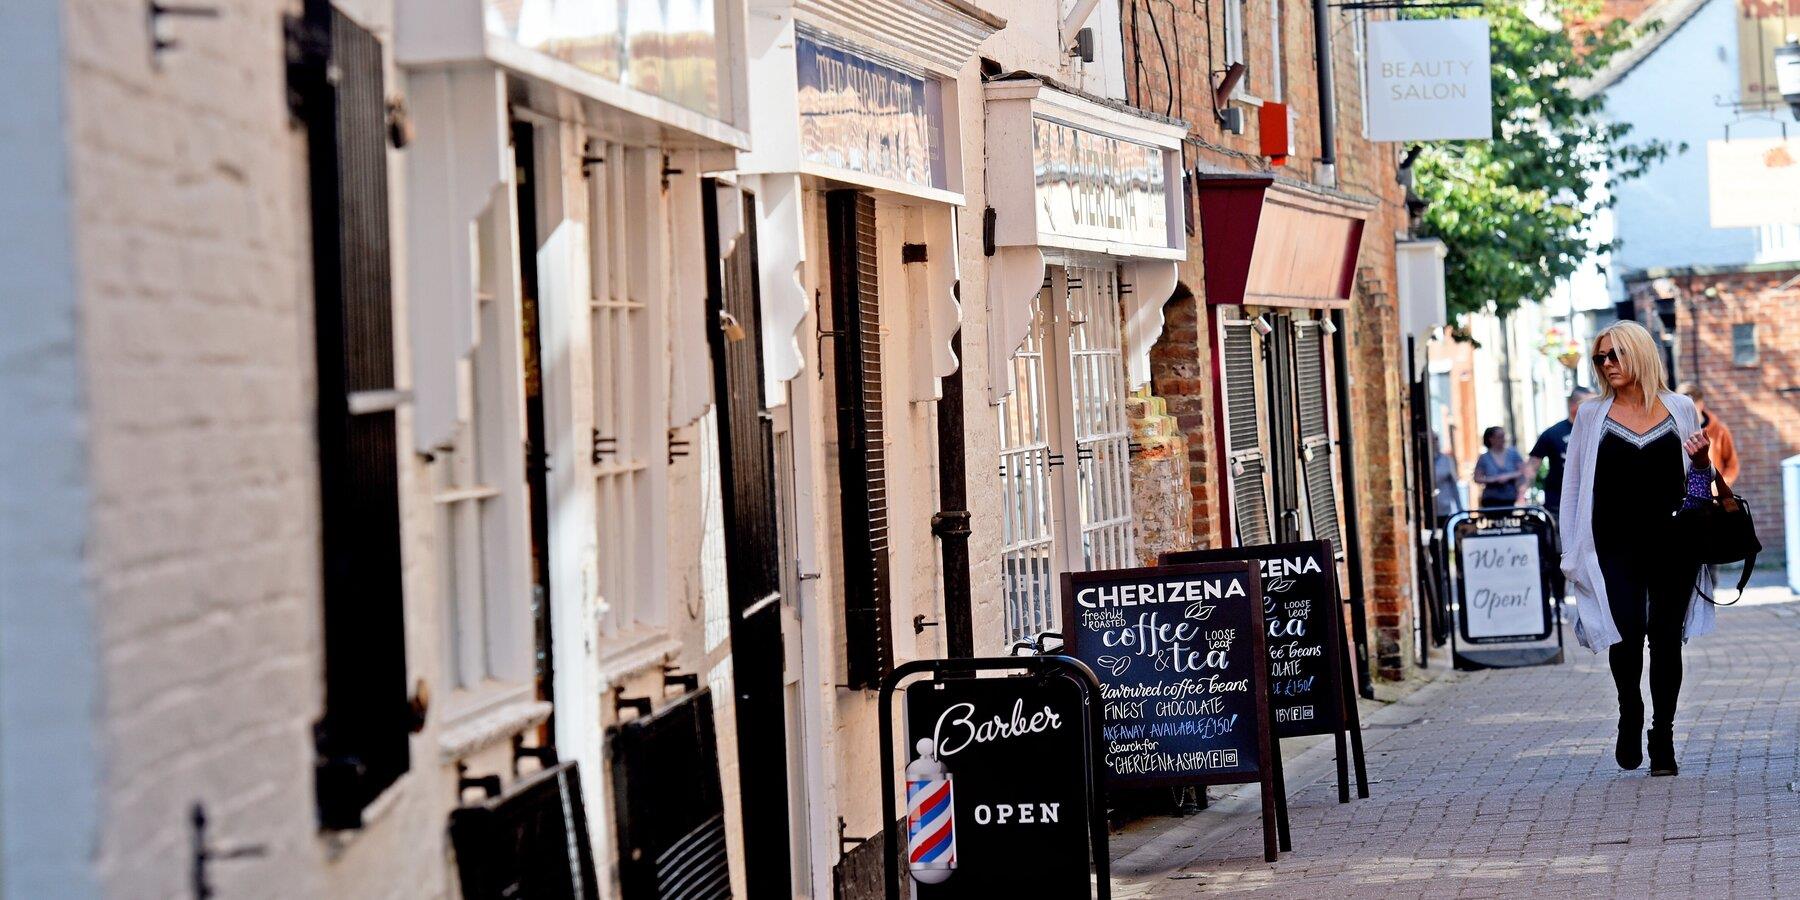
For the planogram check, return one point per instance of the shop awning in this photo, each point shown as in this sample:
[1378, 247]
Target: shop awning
[1279, 243]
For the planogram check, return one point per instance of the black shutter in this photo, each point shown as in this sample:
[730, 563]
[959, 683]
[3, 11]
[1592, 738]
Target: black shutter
[531, 842]
[669, 805]
[1243, 436]
[336, 80]
[1315, 431]
[862, 468]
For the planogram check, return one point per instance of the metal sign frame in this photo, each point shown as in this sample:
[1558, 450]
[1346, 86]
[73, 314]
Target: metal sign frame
[1470, 652]
[1042, 666]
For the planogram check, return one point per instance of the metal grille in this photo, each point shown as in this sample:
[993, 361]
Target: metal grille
[1102, 439]
[1315, 431]
[1027, 525]
[670, 809]
[1243, 442]
[623, 441]
[862, 437]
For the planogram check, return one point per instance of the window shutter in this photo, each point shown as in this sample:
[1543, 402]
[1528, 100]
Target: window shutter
[668, 803]
[862, 469]
[337, 82]
[1315, 431]
[1244, 458]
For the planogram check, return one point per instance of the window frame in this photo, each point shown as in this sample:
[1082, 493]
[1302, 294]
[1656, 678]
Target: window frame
[1738, 358]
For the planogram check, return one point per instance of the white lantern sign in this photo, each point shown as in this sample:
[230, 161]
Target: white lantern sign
[1429, 80]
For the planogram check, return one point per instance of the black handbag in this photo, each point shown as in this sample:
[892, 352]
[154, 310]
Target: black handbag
[1719, 531]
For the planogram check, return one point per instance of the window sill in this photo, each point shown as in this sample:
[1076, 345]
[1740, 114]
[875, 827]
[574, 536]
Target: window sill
[628, 654]
[339, 842]
[474, 734]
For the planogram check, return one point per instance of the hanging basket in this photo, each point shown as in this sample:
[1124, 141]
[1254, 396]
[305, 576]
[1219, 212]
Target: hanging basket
[1569, 359]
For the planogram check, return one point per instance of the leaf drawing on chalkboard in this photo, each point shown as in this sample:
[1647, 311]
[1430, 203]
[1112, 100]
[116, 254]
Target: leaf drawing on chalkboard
[1198, 610]
[1114, 664]
[1278, 586]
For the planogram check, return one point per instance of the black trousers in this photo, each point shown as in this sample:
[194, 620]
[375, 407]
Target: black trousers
[1648, 594]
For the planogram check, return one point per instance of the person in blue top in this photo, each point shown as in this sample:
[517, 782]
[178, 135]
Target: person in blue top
[1499, 471]
[1551, 447]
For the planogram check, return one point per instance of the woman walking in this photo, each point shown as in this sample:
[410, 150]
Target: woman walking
[1499, 470]
[1636, 454]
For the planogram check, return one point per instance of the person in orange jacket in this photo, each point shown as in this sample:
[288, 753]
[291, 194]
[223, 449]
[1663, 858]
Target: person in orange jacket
[1724, 450]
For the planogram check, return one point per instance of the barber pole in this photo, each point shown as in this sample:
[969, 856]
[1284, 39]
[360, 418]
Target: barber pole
[930, 817]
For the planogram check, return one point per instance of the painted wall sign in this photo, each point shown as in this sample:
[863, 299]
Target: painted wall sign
[669, 50]
[1179, 653]
[1503, 580]
[867, 116]
[1753, 181]
[1302, 629]
[1098, 187]
[1429, 80]
[996, 786]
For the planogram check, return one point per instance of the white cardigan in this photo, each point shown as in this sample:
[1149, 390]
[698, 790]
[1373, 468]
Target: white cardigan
[1594, 627]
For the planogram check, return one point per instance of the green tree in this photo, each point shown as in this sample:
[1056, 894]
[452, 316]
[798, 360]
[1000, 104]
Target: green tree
[1514, 211]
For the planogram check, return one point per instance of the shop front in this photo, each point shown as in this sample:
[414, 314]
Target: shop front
[1084, 239]
[857, 169]
[574, 261]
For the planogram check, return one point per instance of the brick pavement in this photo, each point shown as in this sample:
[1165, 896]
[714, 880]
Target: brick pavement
[1502, 784]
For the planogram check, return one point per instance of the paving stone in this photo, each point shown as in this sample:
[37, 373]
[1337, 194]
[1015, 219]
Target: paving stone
[1502, 784]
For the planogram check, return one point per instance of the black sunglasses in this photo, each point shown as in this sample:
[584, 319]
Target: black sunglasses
[1601, 359]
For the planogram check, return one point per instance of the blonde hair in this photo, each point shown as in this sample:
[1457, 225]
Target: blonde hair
[1638, 359]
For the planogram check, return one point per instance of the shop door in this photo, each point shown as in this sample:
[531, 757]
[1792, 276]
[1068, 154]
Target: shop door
[1279, 353]
[537, 456]
[752, 554]
[1027, 521]
[1278, 427]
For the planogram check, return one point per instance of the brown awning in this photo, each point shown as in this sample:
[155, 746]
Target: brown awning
[1271, 242]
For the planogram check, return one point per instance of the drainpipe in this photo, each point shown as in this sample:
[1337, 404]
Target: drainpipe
[1359, 612]
[1322, 65]
[951, 524]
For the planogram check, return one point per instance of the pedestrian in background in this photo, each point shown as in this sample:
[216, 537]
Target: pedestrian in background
[1498, 470]
[1724, 449]
[1635, 456]
[1446, 494]
[1550, 447]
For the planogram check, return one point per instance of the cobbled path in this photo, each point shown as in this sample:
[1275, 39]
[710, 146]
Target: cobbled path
[1502, 784]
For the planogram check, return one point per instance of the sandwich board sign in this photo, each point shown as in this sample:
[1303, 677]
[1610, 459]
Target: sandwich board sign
[1181, 659]
[1310, 688]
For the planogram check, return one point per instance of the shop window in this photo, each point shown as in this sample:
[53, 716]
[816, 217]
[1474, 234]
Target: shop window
[626, 434]
[362, 737]
[862, 436]
[1743, 344]
[1027, 536]
[1102, 464]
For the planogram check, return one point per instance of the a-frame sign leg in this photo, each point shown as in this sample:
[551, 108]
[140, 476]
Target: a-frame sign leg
[1343, 767]
[1353, 724]
[1281, 805]
[1270, 850]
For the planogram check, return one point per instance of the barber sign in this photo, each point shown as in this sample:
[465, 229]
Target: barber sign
[996, 787]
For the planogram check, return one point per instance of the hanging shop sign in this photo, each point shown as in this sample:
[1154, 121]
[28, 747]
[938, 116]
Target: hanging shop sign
[1310, 689]
[867, 116]
[1429, 80]
[1753, 181]
[1001, 779]
[1182, 662]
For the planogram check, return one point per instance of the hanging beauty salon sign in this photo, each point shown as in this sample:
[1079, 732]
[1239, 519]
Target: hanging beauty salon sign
[1752, 182]
[1429, 80]
[868, 116]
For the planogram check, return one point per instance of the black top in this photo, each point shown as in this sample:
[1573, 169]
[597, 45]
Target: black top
[1638, 482]
[1551, 447]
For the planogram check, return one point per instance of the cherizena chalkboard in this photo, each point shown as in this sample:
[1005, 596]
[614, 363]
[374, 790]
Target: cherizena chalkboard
[1303, 629]
[1179, 653]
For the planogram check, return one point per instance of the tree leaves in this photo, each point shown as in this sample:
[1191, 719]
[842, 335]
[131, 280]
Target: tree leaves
[1513, 212]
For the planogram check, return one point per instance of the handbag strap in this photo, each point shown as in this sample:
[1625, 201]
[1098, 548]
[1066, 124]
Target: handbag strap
[1743, 581]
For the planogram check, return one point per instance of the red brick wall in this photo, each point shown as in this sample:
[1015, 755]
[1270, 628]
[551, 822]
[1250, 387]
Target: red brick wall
[1760, 403]
[1182, 359]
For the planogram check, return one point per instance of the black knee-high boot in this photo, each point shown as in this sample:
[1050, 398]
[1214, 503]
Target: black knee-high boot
[1626, 658]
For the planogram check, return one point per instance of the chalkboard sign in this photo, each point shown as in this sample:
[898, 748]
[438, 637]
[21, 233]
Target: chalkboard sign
[997, 786]
[1178, 651]
[1503, 578]
[1303, 629]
